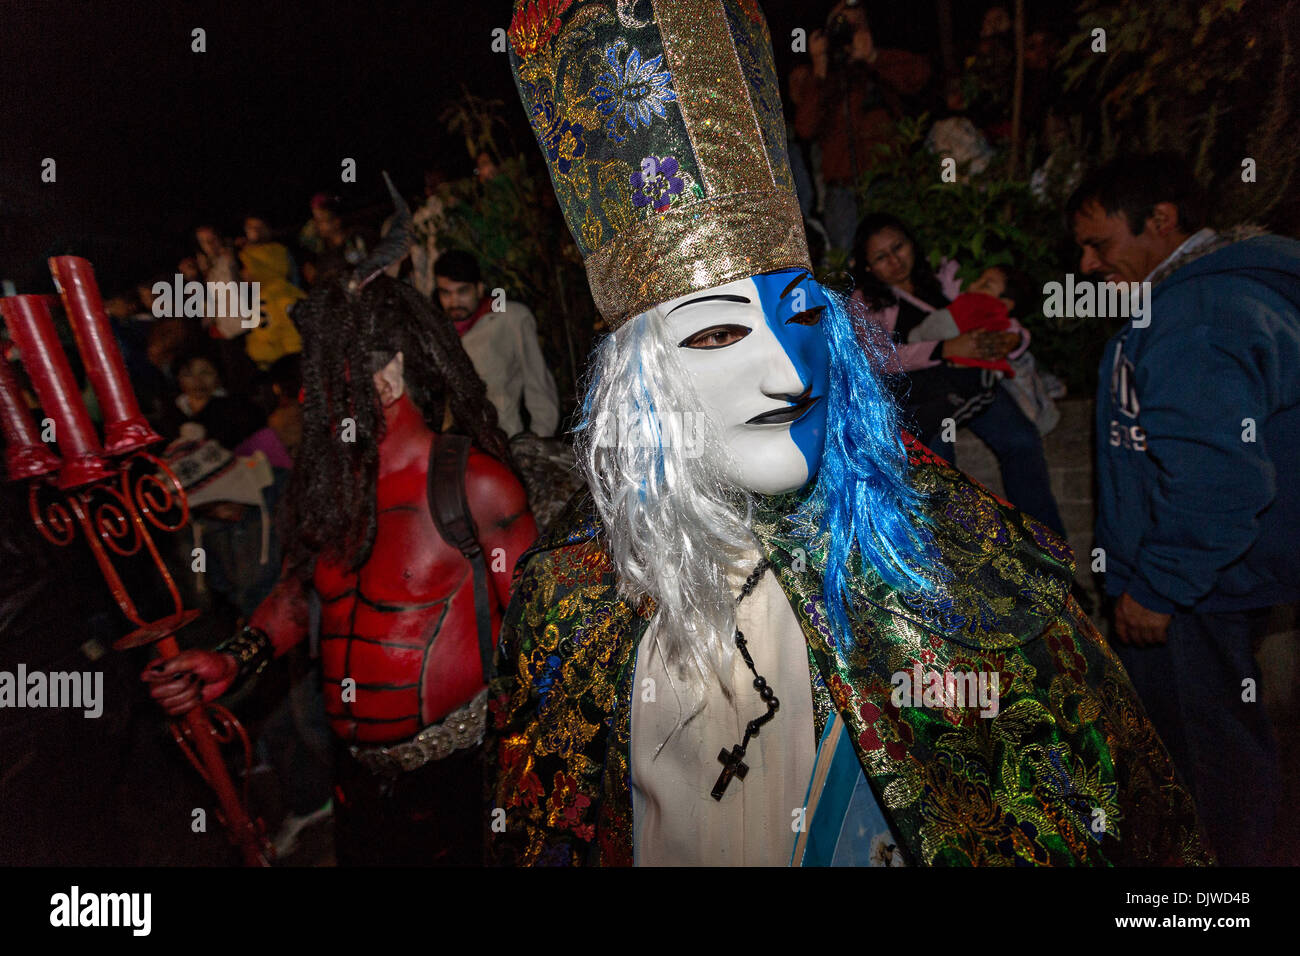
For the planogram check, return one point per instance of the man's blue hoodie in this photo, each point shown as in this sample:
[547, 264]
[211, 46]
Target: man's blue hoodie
[1198, 436]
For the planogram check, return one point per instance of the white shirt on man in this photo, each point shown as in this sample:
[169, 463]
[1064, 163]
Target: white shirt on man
[504, 349]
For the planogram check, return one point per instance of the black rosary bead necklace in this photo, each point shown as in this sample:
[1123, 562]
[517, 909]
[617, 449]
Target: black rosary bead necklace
[732, 760]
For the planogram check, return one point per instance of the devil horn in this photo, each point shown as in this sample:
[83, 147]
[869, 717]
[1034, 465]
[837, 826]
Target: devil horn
[390, 249]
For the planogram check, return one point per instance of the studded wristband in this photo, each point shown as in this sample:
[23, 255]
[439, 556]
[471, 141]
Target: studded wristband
[252, 650]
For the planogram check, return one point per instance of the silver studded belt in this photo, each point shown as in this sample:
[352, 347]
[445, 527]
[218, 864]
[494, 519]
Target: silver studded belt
[460, 729]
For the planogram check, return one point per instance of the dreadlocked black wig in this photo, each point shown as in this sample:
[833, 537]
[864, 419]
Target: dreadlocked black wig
[348, 334]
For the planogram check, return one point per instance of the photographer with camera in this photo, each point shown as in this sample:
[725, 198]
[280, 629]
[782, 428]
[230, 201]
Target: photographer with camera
[846, 101]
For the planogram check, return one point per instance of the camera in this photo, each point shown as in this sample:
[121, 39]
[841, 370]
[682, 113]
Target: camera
[840, 32]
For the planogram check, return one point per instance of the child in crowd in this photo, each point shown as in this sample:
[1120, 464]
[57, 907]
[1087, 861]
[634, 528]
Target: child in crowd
[988, 304]
[985, 305]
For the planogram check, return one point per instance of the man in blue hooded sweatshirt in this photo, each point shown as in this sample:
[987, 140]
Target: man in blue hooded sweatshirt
[1198, 467]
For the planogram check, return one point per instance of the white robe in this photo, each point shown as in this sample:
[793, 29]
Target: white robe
[676, 821]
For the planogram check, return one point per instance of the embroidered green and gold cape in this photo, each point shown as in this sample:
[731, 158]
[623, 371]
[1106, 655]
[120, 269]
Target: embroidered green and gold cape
[1069, 772]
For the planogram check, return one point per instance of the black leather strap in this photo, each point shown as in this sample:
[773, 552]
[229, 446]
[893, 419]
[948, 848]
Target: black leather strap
[449, 505]
[252, 649]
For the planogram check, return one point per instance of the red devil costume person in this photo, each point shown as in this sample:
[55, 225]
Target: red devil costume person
[409, 537]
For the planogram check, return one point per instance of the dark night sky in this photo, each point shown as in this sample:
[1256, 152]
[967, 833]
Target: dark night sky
[151, 139]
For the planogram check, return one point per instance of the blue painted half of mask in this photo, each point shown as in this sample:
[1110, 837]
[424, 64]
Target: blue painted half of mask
[794, 304]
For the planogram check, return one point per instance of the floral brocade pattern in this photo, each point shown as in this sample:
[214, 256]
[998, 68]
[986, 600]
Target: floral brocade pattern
[556, 727]
[1068, 772]
[663, 131]
[600, 101]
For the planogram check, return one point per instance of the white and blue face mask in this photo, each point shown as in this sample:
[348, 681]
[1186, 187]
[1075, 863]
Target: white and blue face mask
[758, 357]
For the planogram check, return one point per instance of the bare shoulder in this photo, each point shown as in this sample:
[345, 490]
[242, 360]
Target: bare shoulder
[493, 490]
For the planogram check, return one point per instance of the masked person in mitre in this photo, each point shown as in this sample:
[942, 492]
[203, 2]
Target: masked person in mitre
[775, 629]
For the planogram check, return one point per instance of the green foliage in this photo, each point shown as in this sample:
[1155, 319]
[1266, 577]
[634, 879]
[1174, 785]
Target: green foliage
[1211, 79]
[984, 222]
[514, 227]
[497, 222]
[479, 122]
[1177, 50]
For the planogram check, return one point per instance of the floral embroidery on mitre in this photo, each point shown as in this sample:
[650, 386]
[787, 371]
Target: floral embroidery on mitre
[657, 183]
[564, 145]
[535, 25]
[636, 89]
[561, 140]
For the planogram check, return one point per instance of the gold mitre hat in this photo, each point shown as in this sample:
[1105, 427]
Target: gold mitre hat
[661, 123]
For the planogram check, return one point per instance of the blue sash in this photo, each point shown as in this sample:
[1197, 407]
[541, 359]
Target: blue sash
[843, 822]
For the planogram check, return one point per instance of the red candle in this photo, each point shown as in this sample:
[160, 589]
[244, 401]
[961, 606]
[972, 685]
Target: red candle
[25, 456]
[125, 429]
[32, 330]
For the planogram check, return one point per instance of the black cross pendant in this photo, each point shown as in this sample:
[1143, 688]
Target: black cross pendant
[733, 765]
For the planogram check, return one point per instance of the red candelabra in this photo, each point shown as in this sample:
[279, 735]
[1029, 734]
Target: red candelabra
[113, 492]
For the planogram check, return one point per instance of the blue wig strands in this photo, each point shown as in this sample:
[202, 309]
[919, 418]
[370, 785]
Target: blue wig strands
[862, 494]
[675, 525]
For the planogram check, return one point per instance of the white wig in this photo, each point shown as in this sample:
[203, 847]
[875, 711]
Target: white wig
[675, 524]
